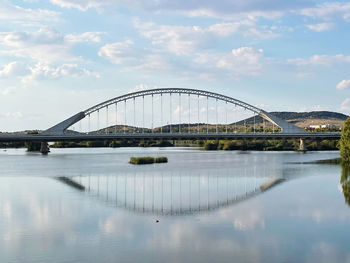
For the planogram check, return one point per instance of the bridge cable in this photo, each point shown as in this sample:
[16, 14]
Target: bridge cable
[116, 118]
[216, 109]
[152, 114]
[235, 120]
[226, 115]
[134, 130]
[254, 122]
[89, 124]
[207, 117]
[143, 113]
[107, 120]
[189, 112]
[170, 107]
[263, 125]
[98, 120]
[198, 114]
[124, 116]
[179, 112]
[161, 113]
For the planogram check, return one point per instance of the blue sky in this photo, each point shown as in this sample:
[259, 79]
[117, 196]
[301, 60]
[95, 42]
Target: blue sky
[58, 57]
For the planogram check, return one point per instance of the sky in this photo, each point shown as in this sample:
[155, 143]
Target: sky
[59, 57]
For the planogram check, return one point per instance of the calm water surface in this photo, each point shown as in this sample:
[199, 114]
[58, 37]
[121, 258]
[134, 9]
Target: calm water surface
[90, 205]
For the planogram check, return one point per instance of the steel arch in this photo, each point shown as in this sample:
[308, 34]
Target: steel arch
[170, 91]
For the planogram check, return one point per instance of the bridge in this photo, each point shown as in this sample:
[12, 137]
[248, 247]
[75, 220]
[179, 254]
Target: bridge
[170, 113]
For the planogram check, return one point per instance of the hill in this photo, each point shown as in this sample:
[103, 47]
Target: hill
[305, 119]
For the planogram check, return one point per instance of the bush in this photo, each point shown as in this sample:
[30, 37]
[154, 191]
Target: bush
[148, 160]
[33, 146]
[344, 142]
[95, 144]
[162, 159]
[211, 146]
[141, 160]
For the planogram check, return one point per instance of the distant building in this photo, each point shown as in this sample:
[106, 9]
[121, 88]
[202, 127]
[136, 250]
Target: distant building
[329, 126]
[315, 126]
[322, 126]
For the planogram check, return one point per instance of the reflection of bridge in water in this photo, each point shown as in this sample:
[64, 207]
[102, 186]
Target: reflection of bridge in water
[172, 194]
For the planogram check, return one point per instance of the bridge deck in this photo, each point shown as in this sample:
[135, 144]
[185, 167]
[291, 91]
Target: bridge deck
[169, 136]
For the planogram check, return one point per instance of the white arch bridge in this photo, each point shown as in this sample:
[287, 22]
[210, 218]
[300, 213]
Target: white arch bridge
[170, 113]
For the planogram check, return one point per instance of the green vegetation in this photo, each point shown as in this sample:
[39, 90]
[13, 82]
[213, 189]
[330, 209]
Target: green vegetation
[242, 144]
[269, 145]
[227, 145]
[114, 143]
[162, 159]
[344, 143]
[211, 145]
[148, 160]
[33, 146]
[12, 145]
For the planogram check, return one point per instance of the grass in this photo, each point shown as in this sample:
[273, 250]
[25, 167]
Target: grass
[148, 160]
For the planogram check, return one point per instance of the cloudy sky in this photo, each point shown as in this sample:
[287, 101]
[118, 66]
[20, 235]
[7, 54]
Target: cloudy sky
[58, 57]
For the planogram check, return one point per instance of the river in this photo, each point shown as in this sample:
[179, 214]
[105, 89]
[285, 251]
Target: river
[91, 205]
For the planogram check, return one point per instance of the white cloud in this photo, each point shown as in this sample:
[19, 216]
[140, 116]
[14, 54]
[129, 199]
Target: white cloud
[226, 9]
[345, 106]
[242, 61]
[42, 36]
[184, 40]
[12, 115]
[45, 45]
[82, 5]
[321, 60]
[227, 15]
[344, 84]
[8, 91]
[43, 71]
[85, 37]
[119, 52]
[154, 62]
[180, 40]
[126, 53]
[329, 10]
[139, 87]
[318, 108]
[13, 69]
[321, 27]
[26, 16]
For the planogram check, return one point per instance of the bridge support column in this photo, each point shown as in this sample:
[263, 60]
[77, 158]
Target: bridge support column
[44, 148]
[302, 147]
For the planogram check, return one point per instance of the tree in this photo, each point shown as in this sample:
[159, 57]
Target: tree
[344, 142]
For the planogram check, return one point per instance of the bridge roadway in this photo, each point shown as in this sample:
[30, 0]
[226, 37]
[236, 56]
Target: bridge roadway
[169, 136]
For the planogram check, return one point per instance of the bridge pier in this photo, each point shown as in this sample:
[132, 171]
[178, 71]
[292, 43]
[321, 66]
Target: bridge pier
[44, 148]
[302, 147]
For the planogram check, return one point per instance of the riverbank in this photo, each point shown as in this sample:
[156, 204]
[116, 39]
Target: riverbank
[228, 145]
